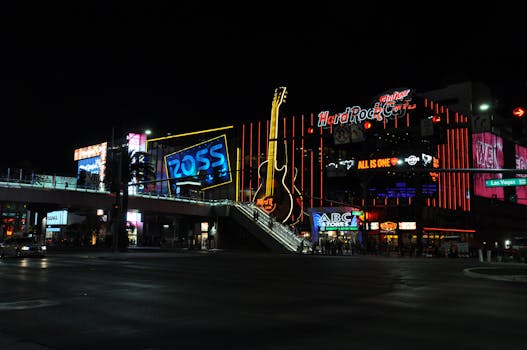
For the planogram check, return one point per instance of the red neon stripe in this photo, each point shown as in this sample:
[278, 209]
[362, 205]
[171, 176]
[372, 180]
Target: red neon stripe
[293, 134]
[463, 165]
[448, 229]
[455, 184]
[321, 161]
[449, 166]
[439, 180]
[467, 176]
[303, 129]
[444, 176]
[243, 164]
[463, 147]
[458, 165]
[251, 170]
[259, 142]
[312, 171]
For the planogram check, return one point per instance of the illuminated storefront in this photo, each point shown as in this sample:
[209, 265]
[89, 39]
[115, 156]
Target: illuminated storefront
[385, 158]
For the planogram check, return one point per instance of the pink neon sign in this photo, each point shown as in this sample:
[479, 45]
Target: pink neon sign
[487, 153]
[521, 163]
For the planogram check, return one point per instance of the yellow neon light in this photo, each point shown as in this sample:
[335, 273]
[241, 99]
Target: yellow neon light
[375, 163]
[189, 134]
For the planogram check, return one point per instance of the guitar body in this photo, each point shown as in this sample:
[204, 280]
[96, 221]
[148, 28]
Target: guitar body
[277, 201]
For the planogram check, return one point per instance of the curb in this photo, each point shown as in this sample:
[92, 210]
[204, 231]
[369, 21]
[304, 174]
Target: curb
[472, 272]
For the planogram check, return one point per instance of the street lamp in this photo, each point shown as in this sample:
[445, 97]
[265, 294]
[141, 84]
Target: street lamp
[484, 107]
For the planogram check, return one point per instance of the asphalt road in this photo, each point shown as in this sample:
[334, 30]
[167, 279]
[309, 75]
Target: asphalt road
[229, 300]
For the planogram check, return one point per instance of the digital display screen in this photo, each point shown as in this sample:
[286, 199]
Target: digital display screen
[487, 153]
[521, 163]
[90, 165]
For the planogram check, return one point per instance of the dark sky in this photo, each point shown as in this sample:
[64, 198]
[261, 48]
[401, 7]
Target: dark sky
[72, 71]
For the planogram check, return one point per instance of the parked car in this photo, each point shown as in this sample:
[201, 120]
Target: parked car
[22, 247]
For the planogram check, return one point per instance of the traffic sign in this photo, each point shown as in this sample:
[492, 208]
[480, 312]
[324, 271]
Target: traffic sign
[518, 112]
[518, 181]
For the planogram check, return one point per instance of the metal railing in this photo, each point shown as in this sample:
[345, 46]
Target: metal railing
[280, 232]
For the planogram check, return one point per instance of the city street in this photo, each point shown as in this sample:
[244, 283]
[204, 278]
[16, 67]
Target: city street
[235, 300]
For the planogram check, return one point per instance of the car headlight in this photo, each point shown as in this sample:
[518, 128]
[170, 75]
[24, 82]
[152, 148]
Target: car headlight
[44, 247]
[24, 247]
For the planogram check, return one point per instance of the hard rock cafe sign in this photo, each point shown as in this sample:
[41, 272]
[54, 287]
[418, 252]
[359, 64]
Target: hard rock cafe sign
[388, 106]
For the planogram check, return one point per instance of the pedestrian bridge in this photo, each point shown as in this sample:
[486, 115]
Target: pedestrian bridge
[278, 238]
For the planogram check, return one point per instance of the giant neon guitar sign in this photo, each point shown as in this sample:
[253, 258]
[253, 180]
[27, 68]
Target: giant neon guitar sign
[273, 195]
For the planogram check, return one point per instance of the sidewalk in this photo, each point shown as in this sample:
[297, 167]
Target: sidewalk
[511, 272]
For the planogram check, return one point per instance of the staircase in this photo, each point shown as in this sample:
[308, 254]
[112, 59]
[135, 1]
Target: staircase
[279, 233]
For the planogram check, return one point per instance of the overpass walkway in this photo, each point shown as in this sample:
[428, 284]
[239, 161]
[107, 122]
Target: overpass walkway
[279, 238]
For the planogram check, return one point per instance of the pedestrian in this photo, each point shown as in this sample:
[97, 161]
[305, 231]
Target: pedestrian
[255, 215]
[301, 247]
[271, 219]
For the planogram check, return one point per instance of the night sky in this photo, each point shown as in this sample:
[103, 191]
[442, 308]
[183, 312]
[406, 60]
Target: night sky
[72, 72]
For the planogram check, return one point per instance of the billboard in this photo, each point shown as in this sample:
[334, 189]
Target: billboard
[59, 217]
[487, 153]
[136, 142]
[97, 151]
[89, 165]
[521, 163]
[206, 164]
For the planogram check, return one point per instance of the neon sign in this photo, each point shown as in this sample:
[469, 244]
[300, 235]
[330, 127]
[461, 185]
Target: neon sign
[425, 160]
[337, 221]
[487, 153]
[521, 163]
[206, 162]
[95, 153]
[388, 226]
[334, 219]
[389, 106]
[377, 163]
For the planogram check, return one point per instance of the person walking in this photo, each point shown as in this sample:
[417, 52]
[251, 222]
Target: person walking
[301, 247]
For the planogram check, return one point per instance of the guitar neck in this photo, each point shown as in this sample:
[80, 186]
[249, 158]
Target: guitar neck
[271, 157]
[273, 135]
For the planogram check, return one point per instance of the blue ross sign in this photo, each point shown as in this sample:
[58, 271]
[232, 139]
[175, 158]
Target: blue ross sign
[206, 164]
